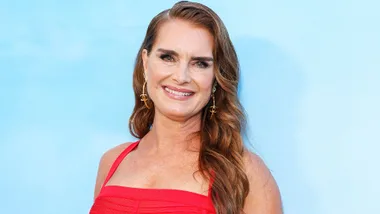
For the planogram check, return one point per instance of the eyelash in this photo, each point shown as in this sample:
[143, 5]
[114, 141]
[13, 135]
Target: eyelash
[166, 56]
[202, 64]
[169, 58]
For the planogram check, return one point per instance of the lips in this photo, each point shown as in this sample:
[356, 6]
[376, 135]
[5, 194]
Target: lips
[178, 92]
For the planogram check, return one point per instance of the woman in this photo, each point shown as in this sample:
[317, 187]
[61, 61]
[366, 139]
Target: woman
[190, 157]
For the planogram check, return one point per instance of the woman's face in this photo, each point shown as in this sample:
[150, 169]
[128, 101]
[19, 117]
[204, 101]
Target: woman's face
[180, 69]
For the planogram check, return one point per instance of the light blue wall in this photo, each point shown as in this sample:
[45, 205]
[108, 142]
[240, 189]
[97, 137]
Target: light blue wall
[311, 72]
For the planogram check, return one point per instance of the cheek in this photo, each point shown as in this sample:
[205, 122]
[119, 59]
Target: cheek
[156, 72]
[157, 68]
[205, 82]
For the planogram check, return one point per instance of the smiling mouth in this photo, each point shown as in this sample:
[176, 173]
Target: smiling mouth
[178, 93]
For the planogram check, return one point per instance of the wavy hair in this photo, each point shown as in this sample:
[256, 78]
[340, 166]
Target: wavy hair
[222, 148]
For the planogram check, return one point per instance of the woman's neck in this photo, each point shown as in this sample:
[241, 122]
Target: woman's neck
[167, 135]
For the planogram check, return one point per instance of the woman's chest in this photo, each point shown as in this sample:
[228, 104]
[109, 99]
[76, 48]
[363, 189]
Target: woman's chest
[164, 173]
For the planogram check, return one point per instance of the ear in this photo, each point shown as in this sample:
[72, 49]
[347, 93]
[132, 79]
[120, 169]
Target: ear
[144, 56]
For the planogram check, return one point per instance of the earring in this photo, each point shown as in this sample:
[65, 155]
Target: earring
[213, 107]
[144, 97]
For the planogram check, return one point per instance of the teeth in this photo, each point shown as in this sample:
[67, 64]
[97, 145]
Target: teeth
[177, 92]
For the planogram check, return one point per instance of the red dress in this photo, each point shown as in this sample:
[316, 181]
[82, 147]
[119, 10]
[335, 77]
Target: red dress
[125, 200]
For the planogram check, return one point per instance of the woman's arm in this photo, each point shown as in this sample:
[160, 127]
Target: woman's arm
[264, 195]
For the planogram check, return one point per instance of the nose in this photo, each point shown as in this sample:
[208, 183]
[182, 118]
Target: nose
[181, 74]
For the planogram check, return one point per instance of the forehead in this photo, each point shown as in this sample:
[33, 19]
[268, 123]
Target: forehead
[185, 38]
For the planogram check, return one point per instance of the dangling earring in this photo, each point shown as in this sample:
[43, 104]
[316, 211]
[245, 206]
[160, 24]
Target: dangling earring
[213, 107]
[144, 97]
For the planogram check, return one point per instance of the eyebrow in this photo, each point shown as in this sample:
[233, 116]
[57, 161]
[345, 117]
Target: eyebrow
[198, 58]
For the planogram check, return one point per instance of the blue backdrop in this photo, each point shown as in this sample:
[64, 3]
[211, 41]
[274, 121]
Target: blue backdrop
[310, 85]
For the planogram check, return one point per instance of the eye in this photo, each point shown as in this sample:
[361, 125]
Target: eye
[167, 58]
[202, 64]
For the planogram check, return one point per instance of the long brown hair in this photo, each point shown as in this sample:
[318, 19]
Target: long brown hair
[222, 147]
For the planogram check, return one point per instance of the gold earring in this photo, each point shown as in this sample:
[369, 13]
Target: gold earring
[213, 107]
[144, 97]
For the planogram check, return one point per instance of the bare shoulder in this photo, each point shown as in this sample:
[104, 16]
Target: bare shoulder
[105, 164]
[264, 195]
[109, 156]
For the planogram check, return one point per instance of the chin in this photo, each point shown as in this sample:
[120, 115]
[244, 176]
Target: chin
[177, 114]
